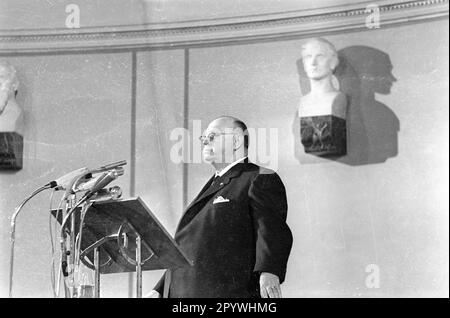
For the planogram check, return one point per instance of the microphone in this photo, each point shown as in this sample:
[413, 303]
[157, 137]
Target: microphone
[110, 166]
[103, 182]
[62, 182]
[89, 183]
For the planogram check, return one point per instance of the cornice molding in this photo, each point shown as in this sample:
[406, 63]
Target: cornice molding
[306, 23]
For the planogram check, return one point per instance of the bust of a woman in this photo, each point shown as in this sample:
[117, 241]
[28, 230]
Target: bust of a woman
[323, 110]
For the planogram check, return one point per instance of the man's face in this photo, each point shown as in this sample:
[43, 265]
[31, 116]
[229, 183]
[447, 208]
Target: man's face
[219, 143]
[317, 60]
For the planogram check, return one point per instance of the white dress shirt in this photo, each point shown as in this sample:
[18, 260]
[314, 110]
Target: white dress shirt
[231, 165]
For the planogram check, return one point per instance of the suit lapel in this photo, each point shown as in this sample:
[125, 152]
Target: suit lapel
[220, 182]
[205, 187]
[209, 190]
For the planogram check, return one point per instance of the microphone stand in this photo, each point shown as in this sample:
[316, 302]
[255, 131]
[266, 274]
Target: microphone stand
[69, 267]
[71, 206]
[69, 200]
[13, 232]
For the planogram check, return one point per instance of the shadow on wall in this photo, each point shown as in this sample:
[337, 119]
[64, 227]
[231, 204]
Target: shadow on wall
[372, 126]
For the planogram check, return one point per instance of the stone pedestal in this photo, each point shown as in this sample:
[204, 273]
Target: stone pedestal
[11, 151]
[323, 135]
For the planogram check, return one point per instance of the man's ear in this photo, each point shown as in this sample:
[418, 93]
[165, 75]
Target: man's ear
[238, 141]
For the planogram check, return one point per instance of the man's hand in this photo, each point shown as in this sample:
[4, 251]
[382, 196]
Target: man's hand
[269, 285]
[153, 294]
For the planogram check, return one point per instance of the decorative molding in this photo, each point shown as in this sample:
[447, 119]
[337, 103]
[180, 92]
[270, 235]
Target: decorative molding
[306, 23]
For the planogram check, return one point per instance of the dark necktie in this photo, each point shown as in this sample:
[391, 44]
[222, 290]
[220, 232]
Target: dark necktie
[214, 180]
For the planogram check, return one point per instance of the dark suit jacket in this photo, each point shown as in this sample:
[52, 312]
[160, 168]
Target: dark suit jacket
[231, 242]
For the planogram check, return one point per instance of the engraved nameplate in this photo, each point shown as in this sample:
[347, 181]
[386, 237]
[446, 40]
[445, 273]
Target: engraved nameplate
[323, 135]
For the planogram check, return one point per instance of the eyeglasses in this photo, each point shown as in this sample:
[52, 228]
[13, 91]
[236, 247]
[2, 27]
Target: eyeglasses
[210, 138]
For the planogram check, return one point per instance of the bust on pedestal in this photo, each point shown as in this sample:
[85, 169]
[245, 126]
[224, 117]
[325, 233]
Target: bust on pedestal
[11, 120]
[323, 110]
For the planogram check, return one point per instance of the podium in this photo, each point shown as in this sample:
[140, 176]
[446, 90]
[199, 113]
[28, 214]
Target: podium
[123, 235]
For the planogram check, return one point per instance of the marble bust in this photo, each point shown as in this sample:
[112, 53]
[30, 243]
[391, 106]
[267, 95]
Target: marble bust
[11, 119]
[11, 116]
[323, 110]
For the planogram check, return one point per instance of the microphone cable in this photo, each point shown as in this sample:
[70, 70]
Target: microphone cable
[59, 211]
[52, 251]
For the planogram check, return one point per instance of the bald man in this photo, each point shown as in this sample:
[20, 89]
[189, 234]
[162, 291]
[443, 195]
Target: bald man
[235, 230]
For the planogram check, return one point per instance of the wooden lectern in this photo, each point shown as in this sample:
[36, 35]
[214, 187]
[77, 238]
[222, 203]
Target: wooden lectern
[124, 236]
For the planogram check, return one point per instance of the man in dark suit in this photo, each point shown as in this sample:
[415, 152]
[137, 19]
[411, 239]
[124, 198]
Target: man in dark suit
[235, 230]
